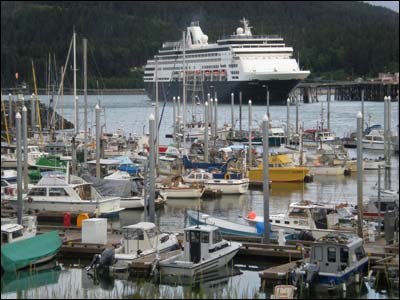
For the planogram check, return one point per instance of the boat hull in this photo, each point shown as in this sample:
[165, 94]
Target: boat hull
[254, 90]
[177, 193]
[176, 267]
[106, 207]
[279, 174]
[229, 186]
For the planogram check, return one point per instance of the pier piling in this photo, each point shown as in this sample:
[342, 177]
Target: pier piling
[25, 146]
[360, 174]
[19, 168]
[265, 130]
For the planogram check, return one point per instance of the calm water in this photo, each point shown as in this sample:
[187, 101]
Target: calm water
[131, 113]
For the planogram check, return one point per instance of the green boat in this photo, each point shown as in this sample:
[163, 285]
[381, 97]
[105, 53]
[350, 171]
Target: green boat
[47, 163]
[30, 251]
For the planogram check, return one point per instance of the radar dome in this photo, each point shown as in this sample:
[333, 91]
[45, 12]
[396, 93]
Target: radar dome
[204, 38]
[239, 30]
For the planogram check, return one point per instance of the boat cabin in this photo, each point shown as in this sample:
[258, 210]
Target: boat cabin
[140, 237]
[338, 252]
[201, 241]
[11, 233]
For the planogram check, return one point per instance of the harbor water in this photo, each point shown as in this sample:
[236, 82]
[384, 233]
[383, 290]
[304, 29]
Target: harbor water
[69, 280]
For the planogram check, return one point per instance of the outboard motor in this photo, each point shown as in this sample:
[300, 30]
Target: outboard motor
[103, 260]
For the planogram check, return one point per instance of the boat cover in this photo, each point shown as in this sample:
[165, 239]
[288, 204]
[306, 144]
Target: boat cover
[20, 254]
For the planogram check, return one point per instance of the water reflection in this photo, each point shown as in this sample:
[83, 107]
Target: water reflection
[16, 282]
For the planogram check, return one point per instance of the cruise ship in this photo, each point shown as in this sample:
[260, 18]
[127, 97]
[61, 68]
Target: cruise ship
[241, 62]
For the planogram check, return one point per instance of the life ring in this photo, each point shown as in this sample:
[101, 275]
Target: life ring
[30, 200]
[227, 176]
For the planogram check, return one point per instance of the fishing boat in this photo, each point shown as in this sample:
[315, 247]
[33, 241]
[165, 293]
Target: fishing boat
[318, 218]
[177, 189]
[281, 169]
[389, 200]
[204, 250]
[375, 140]
[139, 240]
[336, 260]
[225, 227]
[60, 194]
[30, 251]
[374, 164]
[228, 183]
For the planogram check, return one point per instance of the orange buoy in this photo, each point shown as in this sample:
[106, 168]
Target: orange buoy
[251, 215]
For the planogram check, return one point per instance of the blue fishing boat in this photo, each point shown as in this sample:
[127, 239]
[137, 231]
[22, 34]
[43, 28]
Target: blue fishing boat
[227, 227]
[336, 259]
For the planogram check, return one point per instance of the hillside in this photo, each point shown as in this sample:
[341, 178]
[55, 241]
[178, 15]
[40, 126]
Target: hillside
[335, 40]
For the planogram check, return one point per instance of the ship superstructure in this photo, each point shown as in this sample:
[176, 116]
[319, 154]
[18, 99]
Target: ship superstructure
[239, 62]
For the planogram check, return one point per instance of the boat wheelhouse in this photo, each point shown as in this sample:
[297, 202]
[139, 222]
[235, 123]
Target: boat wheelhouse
[204, 250]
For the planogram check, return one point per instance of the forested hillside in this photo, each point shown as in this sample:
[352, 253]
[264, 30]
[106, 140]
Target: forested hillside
[335, 40]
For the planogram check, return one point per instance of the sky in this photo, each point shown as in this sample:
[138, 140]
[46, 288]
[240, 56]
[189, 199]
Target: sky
[393, 5]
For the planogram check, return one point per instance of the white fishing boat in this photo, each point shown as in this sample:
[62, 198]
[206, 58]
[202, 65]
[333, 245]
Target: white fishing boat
[229, 184]
[375, 140]
[11, 231]
[139, 240]
[181, 191]
[318, 218]
[57, 193]
[373, 164]
[204, 250]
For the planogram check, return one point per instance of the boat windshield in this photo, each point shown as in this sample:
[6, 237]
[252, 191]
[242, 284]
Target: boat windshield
[297, 212]
[133, 234]
[344, 212]
[217, 237]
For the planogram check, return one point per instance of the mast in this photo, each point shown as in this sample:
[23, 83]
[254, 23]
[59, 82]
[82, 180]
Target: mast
[85, 98]
[75, 97]
[184, 86]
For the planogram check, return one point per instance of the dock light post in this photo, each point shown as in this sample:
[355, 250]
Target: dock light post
[265, 130]
[20, 205]
[152, 173]
[25, 145]
[97, 141]
[328, 114]
[206, 132]
[297, 114]
[250, 136]
[211, 117]
[85, 152]
[287, 121]
[360, 174]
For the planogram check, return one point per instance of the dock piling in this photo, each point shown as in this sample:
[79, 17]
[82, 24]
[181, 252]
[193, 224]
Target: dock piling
[265, 129]
[152, 169]
[19, 168]
[360, 174]
[25, 146]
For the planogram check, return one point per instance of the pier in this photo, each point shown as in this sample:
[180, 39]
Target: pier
[348, 90]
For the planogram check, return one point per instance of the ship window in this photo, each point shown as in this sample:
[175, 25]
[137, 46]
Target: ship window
[205, 237]
[298, 212]
[37, 192]
[57, 192]
[318, 253]
[360, 253]
[17, 234]
[217, 236]
[331, 254]
[195, 237]
[191, 176]
[344, 255]
[133, 234]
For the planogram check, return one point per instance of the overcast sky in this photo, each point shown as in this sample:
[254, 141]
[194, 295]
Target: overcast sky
[393, 5]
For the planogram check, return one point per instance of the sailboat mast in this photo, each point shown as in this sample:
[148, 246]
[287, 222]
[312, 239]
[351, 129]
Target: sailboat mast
[184, 85]
[85, 98]
[75, 97]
